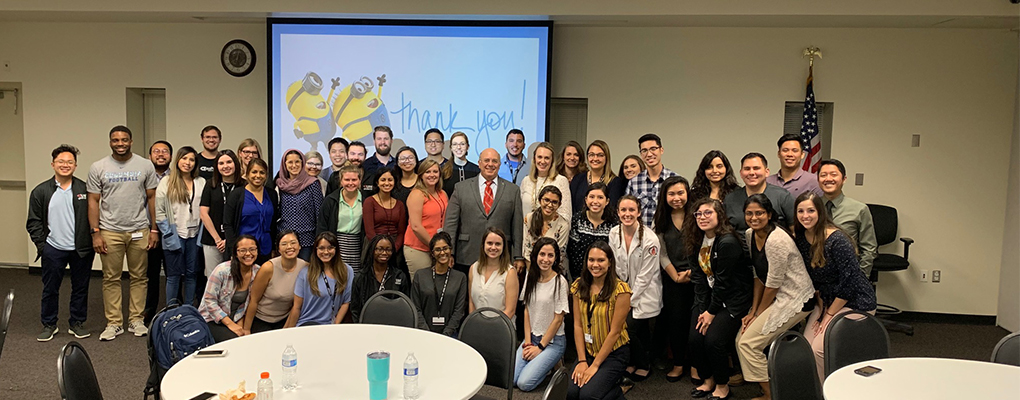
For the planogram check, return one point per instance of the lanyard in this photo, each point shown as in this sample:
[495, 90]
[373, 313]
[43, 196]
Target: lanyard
[332, 293]
[439, 297]
[591, 313]
[191, 201]
[382, 283]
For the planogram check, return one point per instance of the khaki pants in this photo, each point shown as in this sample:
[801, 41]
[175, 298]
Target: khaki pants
[416, 259]
[118, 245]
[751, 344]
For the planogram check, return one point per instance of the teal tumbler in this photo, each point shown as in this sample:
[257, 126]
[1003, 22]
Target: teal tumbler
[378, 374]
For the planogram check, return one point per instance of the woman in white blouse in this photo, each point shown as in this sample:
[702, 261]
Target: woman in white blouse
[545, 298]
[492, 280]
[783, 291]
[637, 262]
[545, 221]
[543, 174]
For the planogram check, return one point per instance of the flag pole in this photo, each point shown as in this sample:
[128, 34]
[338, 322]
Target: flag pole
[809, 131]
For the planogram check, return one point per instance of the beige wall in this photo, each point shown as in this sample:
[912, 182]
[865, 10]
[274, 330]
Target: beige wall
[1009, 275]
[74, 77]
[724, 88]
[12, 168]
[700, 88]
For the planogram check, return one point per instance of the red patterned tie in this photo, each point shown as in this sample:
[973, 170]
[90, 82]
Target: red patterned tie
[487, 201]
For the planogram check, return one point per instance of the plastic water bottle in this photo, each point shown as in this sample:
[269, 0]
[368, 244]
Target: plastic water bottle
[290, 380]
[410, 377]
[265, 388]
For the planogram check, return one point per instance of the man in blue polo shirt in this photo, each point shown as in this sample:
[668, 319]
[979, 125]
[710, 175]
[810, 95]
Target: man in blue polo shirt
[58, 223]
[514, 166]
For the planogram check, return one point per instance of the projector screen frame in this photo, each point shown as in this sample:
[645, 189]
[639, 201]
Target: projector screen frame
[270, 21]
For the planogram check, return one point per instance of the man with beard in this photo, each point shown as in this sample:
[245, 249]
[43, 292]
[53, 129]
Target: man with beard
[160, 153]
[356, 157]
[120, 189]
[514, 162]
[383, 138]
[206, 160]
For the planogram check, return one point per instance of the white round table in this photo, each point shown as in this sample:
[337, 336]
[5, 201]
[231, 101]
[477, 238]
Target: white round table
[332, 364]
[925, 378]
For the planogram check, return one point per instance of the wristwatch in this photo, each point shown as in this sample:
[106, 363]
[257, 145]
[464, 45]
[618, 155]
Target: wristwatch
[95, 231]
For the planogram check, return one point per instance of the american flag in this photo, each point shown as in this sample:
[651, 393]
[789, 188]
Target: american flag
[809, 129]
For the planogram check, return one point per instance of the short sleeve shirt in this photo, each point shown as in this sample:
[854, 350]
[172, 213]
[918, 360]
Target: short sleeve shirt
[122, 186]
[321, 309]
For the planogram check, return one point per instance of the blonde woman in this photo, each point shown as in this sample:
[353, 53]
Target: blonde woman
[599, 170]
[543, 174]
[313, 166]
[426, 212]
[178, 213]
[248, 150]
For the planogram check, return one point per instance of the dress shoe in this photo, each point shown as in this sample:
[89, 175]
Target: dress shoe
[700, 394]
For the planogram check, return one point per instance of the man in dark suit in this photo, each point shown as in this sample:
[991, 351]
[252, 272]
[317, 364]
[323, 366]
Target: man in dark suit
[480, 202]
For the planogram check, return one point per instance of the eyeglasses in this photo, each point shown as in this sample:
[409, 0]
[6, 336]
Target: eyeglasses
[596, 155]
[433, 141]
[458, 144]
[313, 165]
[160, 151]
[249, 152]
[405, 159]
[289, 243]
[253, 250]
[445, 249]
[549, 201]
[387, 249]
[653, 148]
[755, 213]
[65, 162]
[325, 248]
[704, 214]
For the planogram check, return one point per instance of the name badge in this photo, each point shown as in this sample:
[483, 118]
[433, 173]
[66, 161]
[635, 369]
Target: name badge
[588, 339]
[398, 281]
[136, 236]
[438, 320]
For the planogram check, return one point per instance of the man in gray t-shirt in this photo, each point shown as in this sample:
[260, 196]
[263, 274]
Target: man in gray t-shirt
[121, 191]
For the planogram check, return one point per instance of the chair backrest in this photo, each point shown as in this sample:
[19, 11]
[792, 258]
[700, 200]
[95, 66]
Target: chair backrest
[1007, 351]
[75, 375]
[557, 388]
[853, 337]
[886, 223]
[389, 307]
[5, 318]
[792, 370]
[492, 335]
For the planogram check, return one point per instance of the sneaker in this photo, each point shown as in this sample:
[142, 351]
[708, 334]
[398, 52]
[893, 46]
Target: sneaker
[111, 332]
[47, 333]
[138, 328]
[78, 331]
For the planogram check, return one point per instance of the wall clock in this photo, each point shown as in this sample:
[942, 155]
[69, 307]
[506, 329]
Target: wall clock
[238, 58]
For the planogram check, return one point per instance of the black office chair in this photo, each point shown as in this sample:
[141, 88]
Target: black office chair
[390, 307]
[853, 337]
[75, 375]
[5, 318]
[793, 374]
[1007, 351]
[557, 388]
[491, 334]
[886, 224]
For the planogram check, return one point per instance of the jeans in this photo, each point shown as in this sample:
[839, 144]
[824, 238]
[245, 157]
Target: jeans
[180, 264]
[155, 266]
[53, 263]
[528, 374]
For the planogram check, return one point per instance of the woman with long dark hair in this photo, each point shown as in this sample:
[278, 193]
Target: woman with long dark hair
[631, 166]
[226, 177]
[460, 169]
[545, 300]
[226, 293]
[272, 293]
[782, 289]
[674, 324]
[322, 291]
[571, 163]
[589, 225]
[714, 177]
[722, 295]
[253, 209]
[300, 198]
[440, 292]
[545, 221]
[406, 173]
[378, 272]
[602, 302]
[835, 271]
[492, 280]
[178, 214]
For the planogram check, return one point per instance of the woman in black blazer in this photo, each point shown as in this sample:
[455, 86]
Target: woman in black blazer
[253, 210]
[723, 290]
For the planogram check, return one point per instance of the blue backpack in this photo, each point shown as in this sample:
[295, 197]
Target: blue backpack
[175, 332]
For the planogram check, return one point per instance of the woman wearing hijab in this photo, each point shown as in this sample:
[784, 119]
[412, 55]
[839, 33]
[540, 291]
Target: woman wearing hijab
[300, 198]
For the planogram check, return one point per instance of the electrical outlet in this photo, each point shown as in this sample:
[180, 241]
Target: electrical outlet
[924, 275]
[936, 276]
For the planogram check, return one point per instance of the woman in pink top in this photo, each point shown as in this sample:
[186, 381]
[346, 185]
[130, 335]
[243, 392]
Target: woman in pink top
[426, 211]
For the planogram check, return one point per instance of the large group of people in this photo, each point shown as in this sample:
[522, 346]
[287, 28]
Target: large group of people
[616, 269]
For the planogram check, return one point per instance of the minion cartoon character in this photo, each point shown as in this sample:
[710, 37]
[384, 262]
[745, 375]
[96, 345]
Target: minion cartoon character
[357, 110]
[314, 118]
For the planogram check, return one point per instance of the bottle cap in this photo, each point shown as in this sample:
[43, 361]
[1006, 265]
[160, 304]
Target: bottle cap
[265, 375]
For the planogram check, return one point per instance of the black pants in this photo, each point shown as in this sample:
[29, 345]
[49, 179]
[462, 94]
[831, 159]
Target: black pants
[156, 264]
[220, 332]
[259, 325]
[710, 353]
[53, 263]
[605, 384]
[640, 332]
[673, 325]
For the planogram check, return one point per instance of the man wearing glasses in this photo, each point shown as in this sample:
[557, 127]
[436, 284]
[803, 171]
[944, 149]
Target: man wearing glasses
[645, 186]
[160, 153]
[58, 223]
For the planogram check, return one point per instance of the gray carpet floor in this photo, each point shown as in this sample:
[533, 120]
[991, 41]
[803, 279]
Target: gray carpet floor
[28, 368]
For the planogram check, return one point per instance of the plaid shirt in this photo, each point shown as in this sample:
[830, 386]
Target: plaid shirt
[647, 191]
